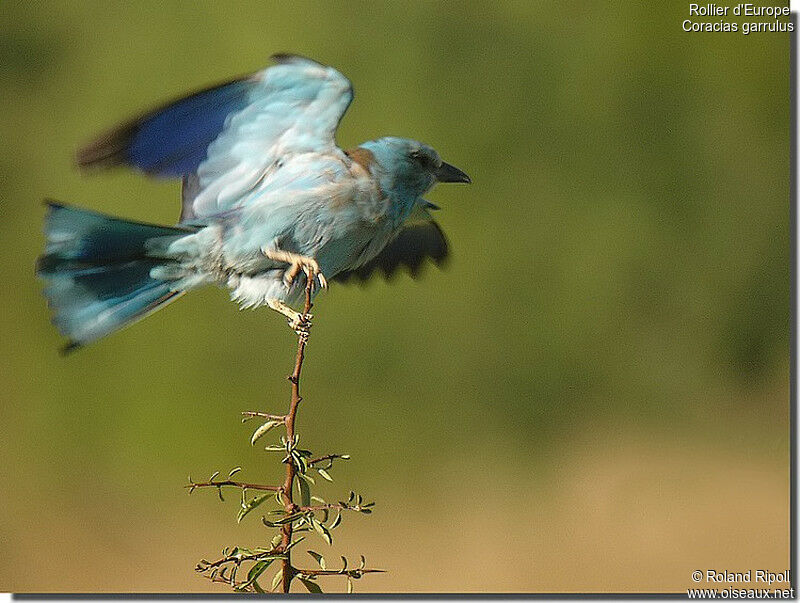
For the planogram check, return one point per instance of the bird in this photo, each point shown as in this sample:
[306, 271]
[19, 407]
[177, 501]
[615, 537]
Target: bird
[269, 205]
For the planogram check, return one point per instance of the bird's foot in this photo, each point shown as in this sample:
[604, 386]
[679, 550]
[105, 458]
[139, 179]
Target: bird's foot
[301, 324]
[298, 322]
[296, 264]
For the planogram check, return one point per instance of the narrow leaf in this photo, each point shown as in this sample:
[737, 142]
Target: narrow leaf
[250, 505]
[262, 430]
[323, 531]
[305, 492]
[307, 477]
[277, 579]
[312, 587]
[258, 569]
[325, 474]
[318, 558]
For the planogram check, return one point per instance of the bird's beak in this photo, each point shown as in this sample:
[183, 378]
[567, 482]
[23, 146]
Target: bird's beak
[450, 173]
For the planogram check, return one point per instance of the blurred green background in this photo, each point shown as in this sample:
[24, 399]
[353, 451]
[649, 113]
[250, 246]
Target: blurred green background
[592, 397]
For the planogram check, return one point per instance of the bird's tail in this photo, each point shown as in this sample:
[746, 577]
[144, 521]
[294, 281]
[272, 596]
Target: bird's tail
[98, 271]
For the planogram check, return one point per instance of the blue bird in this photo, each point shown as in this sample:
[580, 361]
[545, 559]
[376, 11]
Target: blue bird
[268, 201]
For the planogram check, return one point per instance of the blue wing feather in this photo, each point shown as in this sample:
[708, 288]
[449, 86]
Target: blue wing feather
[173, 140]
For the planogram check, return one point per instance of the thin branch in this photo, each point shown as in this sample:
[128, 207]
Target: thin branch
[328, 457]
[207, 565]
[249, 414]
[242, 485]
[326, 507]
[353, 573]
[335, 506]
[235, 585]
[288, 571]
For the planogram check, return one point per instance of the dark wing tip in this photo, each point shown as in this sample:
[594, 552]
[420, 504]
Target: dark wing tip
[69, 347]
[107, 150]
[52, 203]
[288, 58]
[409, 251]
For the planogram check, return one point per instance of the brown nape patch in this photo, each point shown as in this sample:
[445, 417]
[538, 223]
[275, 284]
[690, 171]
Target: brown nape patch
[361, 156]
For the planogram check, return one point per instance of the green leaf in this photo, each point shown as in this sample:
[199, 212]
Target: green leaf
[277, 579]
[262, 430]
[312, 587]
[307, 477]
[258, 569]
[349, 585]
[250, 505]
[213, 475]
[336, 521]
[305, 492]
[323, 531]
[325, 474]
[299, 462]
[288, 519]
[318, 558]
[234, 471]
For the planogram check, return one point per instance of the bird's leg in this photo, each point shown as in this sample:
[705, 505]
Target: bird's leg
[296, 263]
[299, 323]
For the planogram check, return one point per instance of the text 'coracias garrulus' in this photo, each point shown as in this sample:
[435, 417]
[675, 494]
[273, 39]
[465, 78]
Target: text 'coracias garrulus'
[269, 201]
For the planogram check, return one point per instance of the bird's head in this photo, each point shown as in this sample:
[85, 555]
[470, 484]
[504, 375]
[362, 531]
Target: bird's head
[407, 169]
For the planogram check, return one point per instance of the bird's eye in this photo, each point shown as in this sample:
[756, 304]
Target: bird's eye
[419, 157]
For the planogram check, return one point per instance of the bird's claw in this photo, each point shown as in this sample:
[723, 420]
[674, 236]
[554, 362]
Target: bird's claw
[296, 264]
[301, 324]
[311, 269]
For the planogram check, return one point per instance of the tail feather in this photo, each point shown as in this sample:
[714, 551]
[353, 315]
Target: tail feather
[98, 271]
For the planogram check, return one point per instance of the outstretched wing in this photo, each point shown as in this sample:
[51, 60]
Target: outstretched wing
[222, 141]
[409, 250]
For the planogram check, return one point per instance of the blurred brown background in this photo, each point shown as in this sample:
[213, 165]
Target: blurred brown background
[594, 395]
